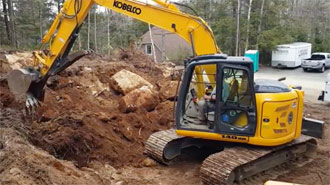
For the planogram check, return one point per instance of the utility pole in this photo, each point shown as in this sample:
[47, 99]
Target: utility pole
[152, 44]
[163, 34]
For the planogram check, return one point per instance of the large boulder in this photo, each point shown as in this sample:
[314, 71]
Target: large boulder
[125, 81]
[16, 60]
[168, 90]
[143, 98]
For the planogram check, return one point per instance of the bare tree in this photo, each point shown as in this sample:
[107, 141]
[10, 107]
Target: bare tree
[248, 26]
[88, 31]
[6, 20]
[95, 32]
[58, 6]
[13, 39]
[108, 32]
[237, 26]
[260, 23]
[40, 19]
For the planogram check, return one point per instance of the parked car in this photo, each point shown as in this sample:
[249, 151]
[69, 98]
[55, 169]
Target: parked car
[319, 61]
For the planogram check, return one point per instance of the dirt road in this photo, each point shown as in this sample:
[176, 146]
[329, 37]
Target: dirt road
[312, 82]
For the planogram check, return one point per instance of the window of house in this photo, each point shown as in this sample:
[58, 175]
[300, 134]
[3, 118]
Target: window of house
[148, 49]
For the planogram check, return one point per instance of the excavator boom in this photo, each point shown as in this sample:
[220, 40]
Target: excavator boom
[53, 56]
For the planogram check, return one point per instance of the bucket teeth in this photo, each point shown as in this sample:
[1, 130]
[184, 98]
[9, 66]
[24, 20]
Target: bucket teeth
[31, 104]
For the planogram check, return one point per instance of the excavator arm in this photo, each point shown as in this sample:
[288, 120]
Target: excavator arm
[53, 56]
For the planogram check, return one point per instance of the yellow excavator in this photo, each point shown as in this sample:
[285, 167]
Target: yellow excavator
[251, 125]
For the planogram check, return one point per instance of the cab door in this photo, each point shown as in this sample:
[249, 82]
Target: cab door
[236, 110]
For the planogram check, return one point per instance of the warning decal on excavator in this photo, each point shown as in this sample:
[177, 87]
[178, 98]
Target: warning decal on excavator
[127, 7]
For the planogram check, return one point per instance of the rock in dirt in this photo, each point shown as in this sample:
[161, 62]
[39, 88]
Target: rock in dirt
[168, 90]
[16, 60]
[125, 81]
[149, 162]
[142, 98]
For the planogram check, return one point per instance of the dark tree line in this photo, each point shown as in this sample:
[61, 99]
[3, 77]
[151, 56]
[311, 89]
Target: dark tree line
[263, 24]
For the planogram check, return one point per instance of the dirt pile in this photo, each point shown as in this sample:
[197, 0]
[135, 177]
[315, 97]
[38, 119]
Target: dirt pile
[80, 119]
[22, 163]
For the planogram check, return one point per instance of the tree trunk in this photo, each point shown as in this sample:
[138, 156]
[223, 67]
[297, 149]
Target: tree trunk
[260, 23]
[88, 31]
[233, 41]
[58, 6]
[237, 26]
[108, 32]
[210, 10]
[95, 32]
[40, 21]
[248, 27]
[79, 42]
[13, 39]
[7, 24]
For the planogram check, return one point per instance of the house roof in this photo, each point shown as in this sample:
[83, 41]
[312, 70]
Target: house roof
[171, 40]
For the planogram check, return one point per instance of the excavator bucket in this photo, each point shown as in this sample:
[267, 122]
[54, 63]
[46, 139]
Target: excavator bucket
[24, 83]
[29, 83]
[20, 80]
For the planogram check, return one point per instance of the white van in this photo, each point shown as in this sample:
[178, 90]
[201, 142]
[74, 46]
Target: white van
[291, 55]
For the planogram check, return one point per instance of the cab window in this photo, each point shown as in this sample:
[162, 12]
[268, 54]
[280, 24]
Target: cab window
[236, 98]
[236, 87]
[199, 105]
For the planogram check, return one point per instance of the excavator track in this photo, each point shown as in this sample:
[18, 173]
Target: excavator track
[235, 165]
[157, 144]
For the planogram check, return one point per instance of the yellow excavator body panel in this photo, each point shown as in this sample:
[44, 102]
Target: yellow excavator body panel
[279, 121]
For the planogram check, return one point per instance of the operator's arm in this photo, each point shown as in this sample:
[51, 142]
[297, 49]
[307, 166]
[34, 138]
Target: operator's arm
[225, 93]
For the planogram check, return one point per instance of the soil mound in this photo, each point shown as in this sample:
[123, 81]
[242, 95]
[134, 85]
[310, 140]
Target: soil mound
[80, 120]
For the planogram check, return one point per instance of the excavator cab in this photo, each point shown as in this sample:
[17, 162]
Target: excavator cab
[217, 96]
[223, 111]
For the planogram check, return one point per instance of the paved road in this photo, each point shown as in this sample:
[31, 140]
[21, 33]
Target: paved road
[312, 82]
